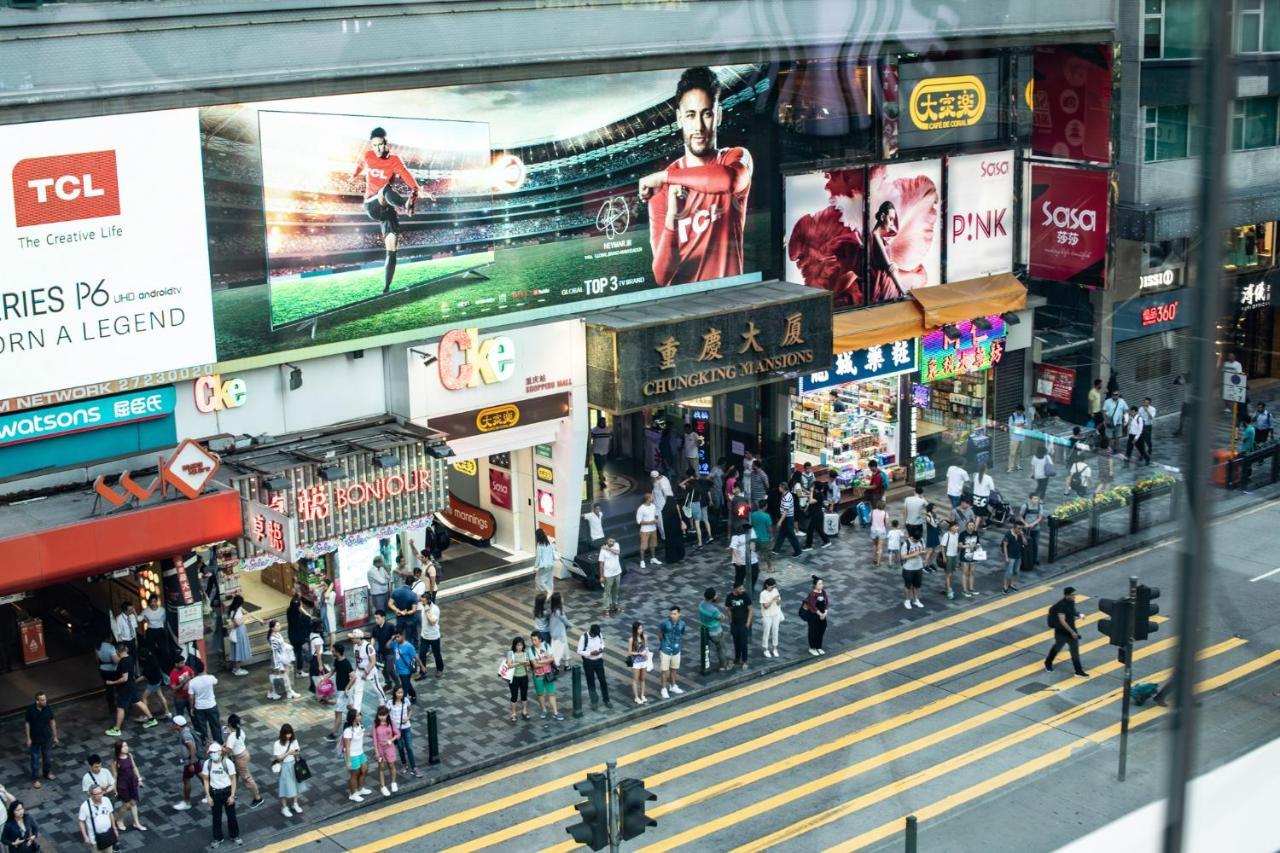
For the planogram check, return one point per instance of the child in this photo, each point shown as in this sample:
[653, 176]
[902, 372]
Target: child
[895, 543]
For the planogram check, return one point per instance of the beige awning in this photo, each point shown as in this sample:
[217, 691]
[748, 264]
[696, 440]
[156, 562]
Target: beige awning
[881, 324]
[964, 300]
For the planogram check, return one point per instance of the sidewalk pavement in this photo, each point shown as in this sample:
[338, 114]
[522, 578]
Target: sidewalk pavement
[471, 700]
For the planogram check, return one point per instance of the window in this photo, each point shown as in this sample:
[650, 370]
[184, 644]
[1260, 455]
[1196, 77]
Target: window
[1165, 132]
[1257, 26]
[1169, 28]
[1253, 123]
[1153, 29]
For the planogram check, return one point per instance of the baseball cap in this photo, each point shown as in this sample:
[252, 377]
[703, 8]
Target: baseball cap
[179, 720]
[654, 473]
[215, 748]
[356, 634]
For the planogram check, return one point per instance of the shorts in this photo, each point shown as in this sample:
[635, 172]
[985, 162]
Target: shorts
[543, 687]
[952, 562]
[697, 512]
[355, 762]
[913, 578]
[1011, 566]
[190, 771]
[386, 214]
[154, 688]
[981, 511]
[125, 696]
[640, 661]
[668, 662]
[340, 701]
[879, 534]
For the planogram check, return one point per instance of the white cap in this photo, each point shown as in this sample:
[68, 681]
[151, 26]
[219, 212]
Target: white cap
[179, 720]
[654, 474]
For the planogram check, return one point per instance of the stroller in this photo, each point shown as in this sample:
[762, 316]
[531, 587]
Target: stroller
[998, 511]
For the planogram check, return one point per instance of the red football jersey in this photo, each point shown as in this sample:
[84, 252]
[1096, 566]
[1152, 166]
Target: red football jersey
[378, 172]
[707, 240]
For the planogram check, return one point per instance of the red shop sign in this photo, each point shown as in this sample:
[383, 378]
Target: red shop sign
[1055, 383]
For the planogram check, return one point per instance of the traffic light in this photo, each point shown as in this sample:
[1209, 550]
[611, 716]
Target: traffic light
[1142, 624]
[593, 831]
[632, 798]
[1115, 628]
[741, 509]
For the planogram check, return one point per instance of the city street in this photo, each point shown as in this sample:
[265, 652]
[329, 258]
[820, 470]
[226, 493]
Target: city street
[953, 720]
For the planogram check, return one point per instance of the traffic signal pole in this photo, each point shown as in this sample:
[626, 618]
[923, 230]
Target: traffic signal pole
[611, 809]
[1128, 673]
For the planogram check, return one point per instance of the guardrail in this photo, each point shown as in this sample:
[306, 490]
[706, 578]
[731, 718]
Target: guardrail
[1121, 512]
[1251, 470]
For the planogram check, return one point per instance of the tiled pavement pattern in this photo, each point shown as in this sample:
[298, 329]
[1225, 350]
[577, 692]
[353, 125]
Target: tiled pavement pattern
[472, 701]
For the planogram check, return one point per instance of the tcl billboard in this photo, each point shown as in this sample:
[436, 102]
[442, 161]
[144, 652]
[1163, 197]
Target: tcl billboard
[1068, 213]
[979, 215]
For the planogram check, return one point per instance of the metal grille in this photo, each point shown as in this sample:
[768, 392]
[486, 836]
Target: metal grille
[1146, 367]
[1010, 391]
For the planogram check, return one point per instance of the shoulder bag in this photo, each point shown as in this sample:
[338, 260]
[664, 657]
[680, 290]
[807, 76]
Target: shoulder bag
[301, 770]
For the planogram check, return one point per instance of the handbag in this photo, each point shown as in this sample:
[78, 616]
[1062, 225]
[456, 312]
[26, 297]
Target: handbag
[979, 554]
[648, 662]
[1049, 470]
[325, 688]
[301, 770]
[505, 670]
[805, 613]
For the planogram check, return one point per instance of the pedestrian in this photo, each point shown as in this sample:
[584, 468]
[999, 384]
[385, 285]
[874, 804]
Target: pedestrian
[610, 562]
[1105, 461]
[379, 580]
[675, 529]
[315, 651]
[1262, 424]
[100, 777]
[741, 615]
[601, 439]
[21, 833]
[1031, 514]
[281, 682]
[911, 555]
[153, 674]
[544, 562]
[913, 512]
[1114, 412]
[762, 524]
[670, 635]
[1017, 429]
[1011, 546]
[559, 624]
[759, 481]
[386, 735]
[1041, 470]
[816, 607]
[1147, 414]
[298, 622]
[591, 650]
[406, 661]
[382, 634]
[328, 601]
[353, 756]
[709, 616]
[285, 753]
[97, 821]
[188, 757]
[240, 651]
[932, 535]
[983, 485]
[1095, 406]
[235, 748]
[965, 514]
[950, 544]
[128, 781]
[543, 668]
[1248, 435]
[816, 519]
[431, 633]
[542, 617]
[518, 664]
[691, 445]
[786, 527]
[1079, 475]
[595, 525]
[405, 605]
[879, 531]
[717, 494]
[661, 493]
[970, 544]
[1062, 619]
[893, 543]
[697, 488]
[770, 616]
[218, 775]
[956, 479]
[877, 483]
[647, 520]
[42, 736]
[401, 711]
[739, 545]
[153, 621]
[127, 691]
[127, 627]
[1133, 432]
[107, 656]
[639, 657]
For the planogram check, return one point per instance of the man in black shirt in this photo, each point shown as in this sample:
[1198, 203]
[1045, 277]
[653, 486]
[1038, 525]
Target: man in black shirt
[1062, 618]
[381, 633]
[42, 734]
[344, 683]
[739, 604]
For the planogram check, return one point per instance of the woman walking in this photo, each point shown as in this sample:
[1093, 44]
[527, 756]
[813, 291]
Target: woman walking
[544, 677]
[315, 648]
[282, 658]
[239, 632]
[299, 623]
[638, 654]
[401, 710]
[386, 735]
[353, 756]
[771, 616]
[21, 833]
[817, 606]
[234, 745]
[128, 781]
[558, 624]
[284, 756]
[518, 662]
[879, 531]
[1041, 468]
[969, 544]
[544, 562]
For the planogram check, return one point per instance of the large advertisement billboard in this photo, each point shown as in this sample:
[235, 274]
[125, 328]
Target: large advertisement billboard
[979, 215]
[904, 246]
[1071, 102]
[377, 216]
[102, 247]
[825, 222]
[1068, 212]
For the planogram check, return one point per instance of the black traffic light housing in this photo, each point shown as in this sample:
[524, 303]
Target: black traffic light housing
[632, 799]
[1143, 627]
[593, 831]
[1114, 628]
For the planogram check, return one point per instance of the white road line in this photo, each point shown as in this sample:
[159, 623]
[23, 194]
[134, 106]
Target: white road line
[1267, 575]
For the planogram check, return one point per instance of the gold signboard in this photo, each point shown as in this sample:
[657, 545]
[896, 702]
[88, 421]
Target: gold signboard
[495, 418]
[938, 103]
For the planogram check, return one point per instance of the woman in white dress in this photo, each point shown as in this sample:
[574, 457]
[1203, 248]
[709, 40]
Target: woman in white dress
[239, 632]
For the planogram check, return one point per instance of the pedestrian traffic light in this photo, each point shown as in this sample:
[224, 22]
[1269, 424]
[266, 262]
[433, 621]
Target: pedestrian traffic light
[1115, 628]
[741, 509]
[1142, 624]
[632, 798]
[593, 831]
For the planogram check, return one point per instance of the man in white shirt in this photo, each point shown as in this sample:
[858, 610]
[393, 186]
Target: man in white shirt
[738, 551]
[97, 821]
[595, 525]
[610, 560]
[1230, 364]
[431, 633]
[98, 776]
[1134, 429]
[1147, 414]
[786, 526]
[127, 627]
[218, 775]
[956, 478]
[647, 517]
[692, 442]
[379, 583]
[661, 491]
[601, 440]
[204, 715]
[366, 673]
[913, 512]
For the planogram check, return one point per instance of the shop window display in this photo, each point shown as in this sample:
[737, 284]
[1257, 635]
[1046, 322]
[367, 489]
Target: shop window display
[845, 427]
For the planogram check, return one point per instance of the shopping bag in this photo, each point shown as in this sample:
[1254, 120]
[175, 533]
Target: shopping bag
[505, 670]
[831, 523]
[979, 554]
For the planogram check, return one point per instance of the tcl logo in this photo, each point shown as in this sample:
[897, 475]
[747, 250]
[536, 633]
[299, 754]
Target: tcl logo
[65, 188]
[698, 223]
[1072, 218]
[990, 170]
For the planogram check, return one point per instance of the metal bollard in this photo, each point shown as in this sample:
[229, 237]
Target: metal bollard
[433, 738]
[704, 637]
[911, 833]
[577, 692]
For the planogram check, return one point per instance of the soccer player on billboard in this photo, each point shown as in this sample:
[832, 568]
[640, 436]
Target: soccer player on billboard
[698, 204]
[381, 201]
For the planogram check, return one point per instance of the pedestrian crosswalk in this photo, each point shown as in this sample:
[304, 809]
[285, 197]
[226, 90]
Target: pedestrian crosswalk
[822, 751]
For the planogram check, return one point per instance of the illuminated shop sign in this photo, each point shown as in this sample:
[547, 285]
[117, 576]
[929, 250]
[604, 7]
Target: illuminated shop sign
[1164, 312]
[972, 350]
[869, 363]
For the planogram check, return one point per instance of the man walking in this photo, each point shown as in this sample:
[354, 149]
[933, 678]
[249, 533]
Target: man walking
[1147, 414]
[344, 687]
[913, 511]
[204, 715]
[42, 735]
[127, 627]
[670, 634]
[956, 478]
[1062, 619]
[739, 545]
[786, 527]
[97, 822]
[648, 518]
[218, 775]
[1262, 424]
[188, 757]
[762, 524]
[125, 684]
[740, 618]
[601, 440]
[1114, 411]
[610, 562]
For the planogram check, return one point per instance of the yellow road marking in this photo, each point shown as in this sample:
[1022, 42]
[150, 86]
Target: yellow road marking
[986, 786]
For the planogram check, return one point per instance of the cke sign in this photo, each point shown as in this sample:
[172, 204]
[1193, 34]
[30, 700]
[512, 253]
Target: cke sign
[466, 361]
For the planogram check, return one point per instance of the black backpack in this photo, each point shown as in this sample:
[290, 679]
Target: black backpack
[442, 538]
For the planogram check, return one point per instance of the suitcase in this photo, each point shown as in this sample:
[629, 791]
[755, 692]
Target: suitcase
[831, 523]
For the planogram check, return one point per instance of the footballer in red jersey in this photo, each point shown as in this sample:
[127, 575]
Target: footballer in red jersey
[381, 201]
[698, 204]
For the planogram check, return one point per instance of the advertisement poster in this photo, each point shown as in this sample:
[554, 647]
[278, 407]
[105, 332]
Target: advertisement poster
[499, 488]
[380, 215]
[103, 249]
[825, 220]
[1055, 383]
[1068, 229]
[904, 244]
[1071, 112]
[979, 215]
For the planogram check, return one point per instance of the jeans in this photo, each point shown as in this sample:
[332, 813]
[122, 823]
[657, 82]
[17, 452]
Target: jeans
[1031, 552]
[600, 460]
[740, 574]
[203, 717]
[404, 747]
[741, 640]
[716, 641]
[612, 596]
[788, 532]
[220, 804]
[434, 647]
[594, 670]
[39, 760]
[405, 680]
[1059, 640]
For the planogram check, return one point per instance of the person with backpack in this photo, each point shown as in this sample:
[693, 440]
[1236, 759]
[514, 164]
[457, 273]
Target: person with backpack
[710, 616]
[218, 775]
[1078, 475]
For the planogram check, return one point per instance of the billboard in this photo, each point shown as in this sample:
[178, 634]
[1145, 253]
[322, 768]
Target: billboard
[103, 251]
[489, 200]
[949, 102]
[971, 350]
[979, 215]
[825, 223]
[904, 246]
[1071, 102]
[1068, 228]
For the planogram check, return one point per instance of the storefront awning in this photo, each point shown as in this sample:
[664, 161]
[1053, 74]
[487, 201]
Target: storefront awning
[882, 324]
[964, 300]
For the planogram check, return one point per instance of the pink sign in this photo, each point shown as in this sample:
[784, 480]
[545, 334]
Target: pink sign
[499, 488]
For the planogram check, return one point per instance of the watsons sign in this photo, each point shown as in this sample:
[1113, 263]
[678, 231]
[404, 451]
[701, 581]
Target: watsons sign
[86, 416]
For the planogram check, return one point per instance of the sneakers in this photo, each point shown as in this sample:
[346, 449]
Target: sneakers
[285, 811]
[822, 651]
[951, 594]
[182, 806]
[297, 809]
[331, 737]
[906, 602]
[559, 717]
[151, 723]
[775, 652]
[293, 695]
[643, 565]
[814, 652]
[664, 694]
[364, 792]
[1048, 666]
[273, 696]
[356, 798]
[919, 604]
[542, 715]
[826, 544]
[386, 792]
[1081, 673]
[968, 595]
[395, 788]
[113, 732]
[655, 561]
[768, 653]
[257, 802]
[676, 688]
[240, 671]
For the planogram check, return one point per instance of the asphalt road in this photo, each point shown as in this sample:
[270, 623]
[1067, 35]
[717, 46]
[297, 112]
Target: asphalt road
[953, 720]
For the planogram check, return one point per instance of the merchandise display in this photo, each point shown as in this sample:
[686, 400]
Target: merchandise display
[952, 409]
[846, 426]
